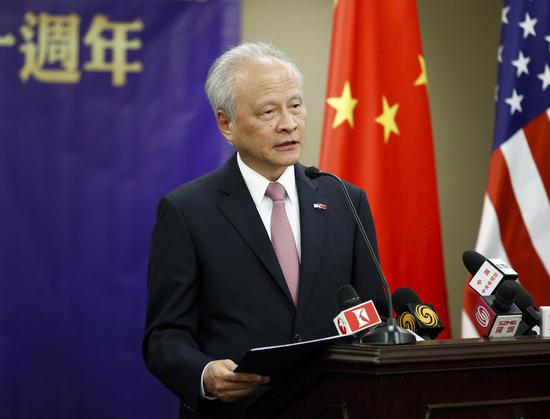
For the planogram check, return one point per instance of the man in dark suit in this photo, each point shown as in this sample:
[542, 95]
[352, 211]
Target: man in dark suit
[234, 266]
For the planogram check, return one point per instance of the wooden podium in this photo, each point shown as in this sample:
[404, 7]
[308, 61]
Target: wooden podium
[448, 379]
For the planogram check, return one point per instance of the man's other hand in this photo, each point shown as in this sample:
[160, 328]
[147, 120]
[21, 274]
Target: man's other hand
[220, 381]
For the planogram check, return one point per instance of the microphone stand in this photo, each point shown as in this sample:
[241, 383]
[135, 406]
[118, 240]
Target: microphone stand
[389, 333]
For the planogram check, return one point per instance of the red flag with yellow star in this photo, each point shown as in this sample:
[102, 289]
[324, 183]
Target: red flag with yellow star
[377, 134]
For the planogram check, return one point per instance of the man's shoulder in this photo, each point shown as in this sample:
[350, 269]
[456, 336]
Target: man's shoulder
[202, 187]
[197, 186]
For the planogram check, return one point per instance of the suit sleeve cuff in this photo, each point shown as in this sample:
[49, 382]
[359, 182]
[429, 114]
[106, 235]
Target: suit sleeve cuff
[202, 392]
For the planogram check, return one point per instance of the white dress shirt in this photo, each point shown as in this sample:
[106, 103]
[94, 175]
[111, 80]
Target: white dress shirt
[257, 185]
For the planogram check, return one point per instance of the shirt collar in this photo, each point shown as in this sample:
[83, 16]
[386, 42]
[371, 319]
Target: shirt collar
[257, 184]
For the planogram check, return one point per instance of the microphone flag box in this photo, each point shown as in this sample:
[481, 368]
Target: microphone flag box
[490, 275]
[357, 318]
[421, 319]
[493, 325]
[545, 321]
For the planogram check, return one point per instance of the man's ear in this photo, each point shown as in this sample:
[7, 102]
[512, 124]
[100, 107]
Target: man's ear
[225, 125]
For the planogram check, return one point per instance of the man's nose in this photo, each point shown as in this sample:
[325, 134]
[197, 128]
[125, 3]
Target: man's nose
[287, 123]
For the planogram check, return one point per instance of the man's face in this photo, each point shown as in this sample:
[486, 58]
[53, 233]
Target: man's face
[268, 130]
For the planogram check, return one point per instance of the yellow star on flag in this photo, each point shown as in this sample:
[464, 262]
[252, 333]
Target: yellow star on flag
[344, 106]
[422, 78]
[387, 118]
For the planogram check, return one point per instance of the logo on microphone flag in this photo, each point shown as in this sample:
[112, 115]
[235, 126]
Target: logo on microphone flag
[493, 326]
[484, 316]
[361, 316]
[407, 321]
[426, 315]
[357, 318]
[505, 326]
[341, 325]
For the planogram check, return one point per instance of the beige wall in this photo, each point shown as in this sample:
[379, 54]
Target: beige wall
[301, 28]
[460, 40]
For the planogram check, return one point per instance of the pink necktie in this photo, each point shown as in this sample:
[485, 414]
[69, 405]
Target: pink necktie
[283, 239]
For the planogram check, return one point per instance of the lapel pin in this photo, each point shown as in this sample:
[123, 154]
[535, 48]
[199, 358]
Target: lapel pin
[320, 206]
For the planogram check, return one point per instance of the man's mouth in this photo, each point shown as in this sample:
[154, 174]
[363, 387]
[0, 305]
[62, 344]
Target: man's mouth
[287, 145]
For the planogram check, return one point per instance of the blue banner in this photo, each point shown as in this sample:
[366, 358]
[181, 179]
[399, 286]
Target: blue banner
[102, 111]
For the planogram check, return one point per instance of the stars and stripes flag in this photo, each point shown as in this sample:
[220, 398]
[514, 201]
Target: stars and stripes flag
[377, 135]
[515, 223]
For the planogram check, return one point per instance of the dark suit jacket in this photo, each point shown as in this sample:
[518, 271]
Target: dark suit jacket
[216, 288]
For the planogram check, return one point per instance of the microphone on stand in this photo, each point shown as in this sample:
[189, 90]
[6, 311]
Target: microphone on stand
[487, 274]
[488, 277]
[354, 316]
[390, 333]
[416, 316]
[496, 315]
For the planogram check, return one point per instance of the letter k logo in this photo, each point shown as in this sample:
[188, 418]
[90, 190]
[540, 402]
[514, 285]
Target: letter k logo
[362, 317]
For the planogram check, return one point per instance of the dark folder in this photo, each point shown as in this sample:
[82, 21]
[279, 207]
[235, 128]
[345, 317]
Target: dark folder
[275, 361]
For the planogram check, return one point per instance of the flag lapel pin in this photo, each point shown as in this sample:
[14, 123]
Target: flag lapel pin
[319, 205]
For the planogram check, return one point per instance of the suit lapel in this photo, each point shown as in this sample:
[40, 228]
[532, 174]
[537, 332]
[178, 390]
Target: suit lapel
[313, 222]
[239, 208]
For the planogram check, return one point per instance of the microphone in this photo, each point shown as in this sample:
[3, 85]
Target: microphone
[354, 315]
[313, 172]
[390, 333]
[497, 315]
[501, 271]
[530, 314]
[347, 297]
[487, 274]
[414, 315]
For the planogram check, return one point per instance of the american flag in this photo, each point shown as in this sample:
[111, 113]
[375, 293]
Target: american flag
[515, 223]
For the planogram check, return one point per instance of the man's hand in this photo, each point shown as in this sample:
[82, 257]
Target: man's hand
[226, 385]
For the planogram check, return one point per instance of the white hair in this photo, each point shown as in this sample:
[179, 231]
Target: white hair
[222, 73]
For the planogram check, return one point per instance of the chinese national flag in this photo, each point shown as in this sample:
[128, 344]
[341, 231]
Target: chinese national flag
[377, 134]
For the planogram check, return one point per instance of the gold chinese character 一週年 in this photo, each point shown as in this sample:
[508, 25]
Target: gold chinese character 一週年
[53, 56]
[118, 44]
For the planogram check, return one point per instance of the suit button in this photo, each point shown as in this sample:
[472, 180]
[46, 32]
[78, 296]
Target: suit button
[297, 337]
